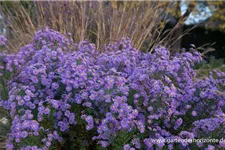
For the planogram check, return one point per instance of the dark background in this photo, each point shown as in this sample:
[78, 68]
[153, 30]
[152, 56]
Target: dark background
[200, 36]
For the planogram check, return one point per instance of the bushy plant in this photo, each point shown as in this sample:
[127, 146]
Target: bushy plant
[63, 95]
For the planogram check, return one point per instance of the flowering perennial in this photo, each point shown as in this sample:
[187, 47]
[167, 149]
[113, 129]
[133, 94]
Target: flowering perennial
[60, 92]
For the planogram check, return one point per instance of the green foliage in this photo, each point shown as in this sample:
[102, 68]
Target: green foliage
[4, 114]
[203, 69]
[4, 122]
[78, 137]
[122, 138]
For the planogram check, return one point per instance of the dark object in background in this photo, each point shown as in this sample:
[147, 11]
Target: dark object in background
[200, 36]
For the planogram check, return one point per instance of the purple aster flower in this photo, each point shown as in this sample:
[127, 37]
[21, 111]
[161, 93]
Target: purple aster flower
[13, 105]
[84, 95]
[32, 106]
[68, 88]
[178, 123]
[63, 126]
[54, 53]
[9, 146]
[89, 127]
[108, 98]
[136, 143]
[59, 115]
[54, 104]
[72, 118]
[222, 143]
[55, 85]
[27, 98]
[148, 143]
[109, 82]
[25, 124]
[43, 140]
[150, 108]
[46, 111]
[19, 97]
[67, 113]
[203, 94]
[210, 147]
[40, 118]
[160, 142]
[34, 125]
[113, 108]
[170, 147]
[34, 79]
[194, 113]
[87, 104]
[36, 133]
[48, 144]
[126, 147]
[30, 116]
[24, 134]
[78, 100]
[199, 144]
[104, 143]
[125, 123]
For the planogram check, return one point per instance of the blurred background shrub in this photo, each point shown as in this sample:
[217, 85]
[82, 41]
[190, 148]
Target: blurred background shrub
[167, 23]
[100, 22]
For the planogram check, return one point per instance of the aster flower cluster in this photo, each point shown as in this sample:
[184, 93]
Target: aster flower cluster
[57, 86]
